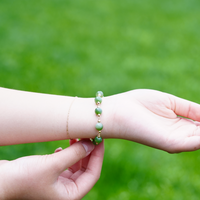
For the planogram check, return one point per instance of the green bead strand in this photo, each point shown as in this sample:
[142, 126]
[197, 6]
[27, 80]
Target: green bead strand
[99, 126]
[98, 140]
[99, 94]
[98, 110]
[98, 100]
[93, 141]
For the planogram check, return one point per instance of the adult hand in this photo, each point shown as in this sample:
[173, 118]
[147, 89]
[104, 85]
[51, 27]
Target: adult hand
[46, 177]
[153, 118]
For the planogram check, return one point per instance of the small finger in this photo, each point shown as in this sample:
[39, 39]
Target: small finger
[77, 166]
[87, 179]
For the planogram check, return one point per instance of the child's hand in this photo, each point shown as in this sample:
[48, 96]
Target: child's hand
[44, 177]
[153, 118]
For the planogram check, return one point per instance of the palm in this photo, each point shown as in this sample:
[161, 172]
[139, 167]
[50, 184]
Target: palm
[153, 118]
[45, 177]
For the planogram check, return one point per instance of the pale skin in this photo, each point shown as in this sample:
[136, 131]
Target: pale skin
[144, 116]
[46, 177]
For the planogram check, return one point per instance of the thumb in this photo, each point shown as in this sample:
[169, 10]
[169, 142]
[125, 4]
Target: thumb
[69, 156]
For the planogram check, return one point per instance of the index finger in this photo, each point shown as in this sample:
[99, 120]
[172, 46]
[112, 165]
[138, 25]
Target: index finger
[60, 161]
[87, 179]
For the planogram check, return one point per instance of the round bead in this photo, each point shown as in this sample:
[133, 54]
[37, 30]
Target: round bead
[99, 126]
[98, 140]
[98, 99]
[99, 94]
[98, 110]
[93, 141]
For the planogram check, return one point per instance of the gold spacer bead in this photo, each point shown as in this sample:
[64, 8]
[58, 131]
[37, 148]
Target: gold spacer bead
[99, 134]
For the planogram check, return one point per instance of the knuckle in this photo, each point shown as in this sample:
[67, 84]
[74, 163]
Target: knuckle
[98, 176]
[79, 151]
[54, 160]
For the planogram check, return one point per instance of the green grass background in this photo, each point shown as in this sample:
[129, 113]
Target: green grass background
[75, 48]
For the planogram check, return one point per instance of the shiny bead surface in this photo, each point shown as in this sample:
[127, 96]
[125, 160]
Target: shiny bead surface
[98, 99]
[98, 110]
[99, 126]
[98, 139]
[93, 141]
[99, 93]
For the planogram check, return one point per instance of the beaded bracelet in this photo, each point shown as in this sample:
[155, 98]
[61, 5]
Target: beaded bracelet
[99, 126]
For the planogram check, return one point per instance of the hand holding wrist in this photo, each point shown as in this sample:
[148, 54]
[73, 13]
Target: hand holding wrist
[152, 118]
[46, 177]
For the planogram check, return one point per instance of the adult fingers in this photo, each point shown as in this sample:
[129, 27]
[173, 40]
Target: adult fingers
[87, 179]
[82, 167]
[69, 156]
[85, 161]
[77, 165]
[81, 163]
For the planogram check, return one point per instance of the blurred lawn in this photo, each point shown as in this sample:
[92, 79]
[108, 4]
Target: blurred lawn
[77, 47]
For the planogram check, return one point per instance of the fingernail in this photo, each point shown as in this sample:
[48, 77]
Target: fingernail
[88, 146]
[58, 149]
[72, 141]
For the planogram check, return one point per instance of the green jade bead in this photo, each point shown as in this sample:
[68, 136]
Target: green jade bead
[98, 140]
[93, 141]
[99, 126]
[99, 94]
[98, 100]
[98, 111]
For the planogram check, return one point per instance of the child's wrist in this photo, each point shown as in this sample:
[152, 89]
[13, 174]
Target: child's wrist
[82, 119]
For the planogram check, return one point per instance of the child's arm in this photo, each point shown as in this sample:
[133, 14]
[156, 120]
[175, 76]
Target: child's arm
[145, 116]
